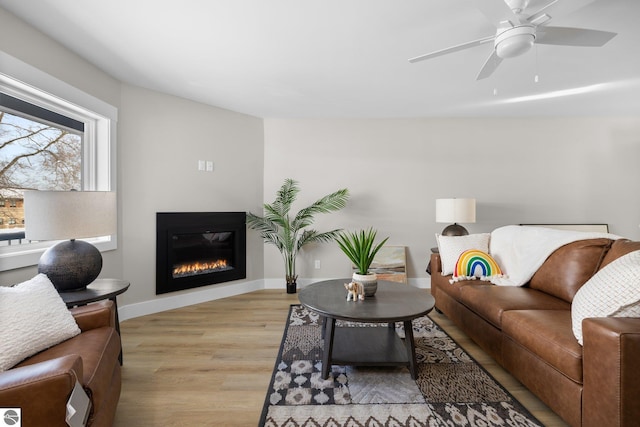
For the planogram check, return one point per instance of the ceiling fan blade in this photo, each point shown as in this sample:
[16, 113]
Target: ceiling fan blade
[557, 8]
[489, 66]
[497, 12]
[451, 49]
[565, 36]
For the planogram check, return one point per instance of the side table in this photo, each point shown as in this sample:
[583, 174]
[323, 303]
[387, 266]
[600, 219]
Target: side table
[98, 290]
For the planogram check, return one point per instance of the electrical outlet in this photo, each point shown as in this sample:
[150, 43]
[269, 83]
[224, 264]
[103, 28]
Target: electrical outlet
[209, 166]
[201, 165]
[317, 264]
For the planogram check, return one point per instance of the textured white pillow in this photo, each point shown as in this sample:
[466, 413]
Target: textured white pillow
[450, 248]
[33, 317]
[613, 291]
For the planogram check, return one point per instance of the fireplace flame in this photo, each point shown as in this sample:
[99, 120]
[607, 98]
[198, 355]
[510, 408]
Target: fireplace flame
[193, 268]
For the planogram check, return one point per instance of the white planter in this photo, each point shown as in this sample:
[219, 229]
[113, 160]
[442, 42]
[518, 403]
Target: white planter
[369, 282]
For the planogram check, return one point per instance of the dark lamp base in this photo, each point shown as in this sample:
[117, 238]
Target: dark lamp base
[455, 230]
[71, 265]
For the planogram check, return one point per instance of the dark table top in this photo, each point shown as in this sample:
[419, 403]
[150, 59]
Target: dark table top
[393, 302]
[98, 290]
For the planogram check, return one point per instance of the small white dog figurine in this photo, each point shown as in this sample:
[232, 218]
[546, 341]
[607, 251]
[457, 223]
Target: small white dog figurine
[355, 291]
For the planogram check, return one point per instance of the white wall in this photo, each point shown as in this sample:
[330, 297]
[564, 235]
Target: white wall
[581, 170]
[22, 41]
[162, 137]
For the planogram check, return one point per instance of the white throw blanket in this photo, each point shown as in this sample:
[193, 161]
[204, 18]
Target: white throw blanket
[521, 250]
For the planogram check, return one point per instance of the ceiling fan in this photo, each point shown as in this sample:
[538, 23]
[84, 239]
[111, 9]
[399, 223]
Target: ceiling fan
[517, 31]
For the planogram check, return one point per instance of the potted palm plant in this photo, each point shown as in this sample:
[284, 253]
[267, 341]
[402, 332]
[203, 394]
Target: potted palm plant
[289, 233]
[359, 248]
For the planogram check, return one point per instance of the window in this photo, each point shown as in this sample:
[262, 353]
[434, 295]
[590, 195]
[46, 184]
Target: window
[39, 149]
[61, 139]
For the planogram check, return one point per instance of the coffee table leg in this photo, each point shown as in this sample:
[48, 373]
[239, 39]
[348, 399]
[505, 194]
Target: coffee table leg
[330, 325]
[411, 349]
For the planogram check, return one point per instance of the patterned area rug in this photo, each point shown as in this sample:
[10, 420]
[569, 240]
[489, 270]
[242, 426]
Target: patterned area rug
[452, 389]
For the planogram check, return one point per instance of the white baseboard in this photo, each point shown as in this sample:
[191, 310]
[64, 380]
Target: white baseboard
[170, 302]
[423, 282]
[280, 283]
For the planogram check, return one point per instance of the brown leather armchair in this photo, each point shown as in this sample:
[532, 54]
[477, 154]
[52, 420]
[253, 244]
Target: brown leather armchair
[42, 384]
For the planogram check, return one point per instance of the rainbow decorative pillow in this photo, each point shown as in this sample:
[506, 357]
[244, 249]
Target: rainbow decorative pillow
[473, 264]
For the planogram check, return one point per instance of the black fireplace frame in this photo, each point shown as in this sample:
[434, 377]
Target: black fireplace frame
[171, 223]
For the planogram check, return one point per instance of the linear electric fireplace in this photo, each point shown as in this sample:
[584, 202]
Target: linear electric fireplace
[199, 248]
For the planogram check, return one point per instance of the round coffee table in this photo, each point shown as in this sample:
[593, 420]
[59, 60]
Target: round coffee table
[374, 346]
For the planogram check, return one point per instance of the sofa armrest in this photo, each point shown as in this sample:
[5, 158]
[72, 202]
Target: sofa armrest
[41, 390]
[95, 315]
[436, 265]
[611, 358]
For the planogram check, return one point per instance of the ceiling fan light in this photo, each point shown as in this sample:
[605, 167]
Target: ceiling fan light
[515, 41]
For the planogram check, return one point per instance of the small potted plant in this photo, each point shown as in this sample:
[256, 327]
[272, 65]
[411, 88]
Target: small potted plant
[359, 248]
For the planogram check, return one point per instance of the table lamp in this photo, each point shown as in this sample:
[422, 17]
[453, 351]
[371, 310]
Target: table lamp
[455, 211]
[56, 215]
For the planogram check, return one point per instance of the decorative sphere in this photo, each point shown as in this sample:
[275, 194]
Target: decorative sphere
[71, 265]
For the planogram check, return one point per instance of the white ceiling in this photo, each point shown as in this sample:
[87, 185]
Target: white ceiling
[345, 58]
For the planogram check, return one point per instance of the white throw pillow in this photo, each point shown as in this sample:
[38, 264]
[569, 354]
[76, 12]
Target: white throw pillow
[613, 291]
[450, 248]
[33, 318]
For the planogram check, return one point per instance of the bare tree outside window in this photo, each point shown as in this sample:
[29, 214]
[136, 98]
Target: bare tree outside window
[34, 156]
[39, 156]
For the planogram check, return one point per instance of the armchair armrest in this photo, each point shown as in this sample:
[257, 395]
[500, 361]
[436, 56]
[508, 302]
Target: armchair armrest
[611, 364]
[41, 389]
[95, 315]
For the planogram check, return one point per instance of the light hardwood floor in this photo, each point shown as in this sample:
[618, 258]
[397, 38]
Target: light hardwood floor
[210, 364]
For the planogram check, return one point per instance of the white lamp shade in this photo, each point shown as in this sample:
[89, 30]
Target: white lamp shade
[60, 215]
[456, 210]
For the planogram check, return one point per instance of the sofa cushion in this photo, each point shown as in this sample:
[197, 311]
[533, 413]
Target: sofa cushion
[33, 318]
[452, 289]
[491, 301]
[613, 291]
[619, 248]
[450, 248]
[547, 334]
[569, 267]
[99, 349]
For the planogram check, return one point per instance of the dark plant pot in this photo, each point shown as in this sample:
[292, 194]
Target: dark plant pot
[292, 287]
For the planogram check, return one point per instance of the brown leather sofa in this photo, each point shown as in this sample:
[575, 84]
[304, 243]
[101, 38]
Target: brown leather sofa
[42, 384]
[528, 331]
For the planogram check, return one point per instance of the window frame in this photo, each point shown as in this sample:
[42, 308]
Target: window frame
[32, 85]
